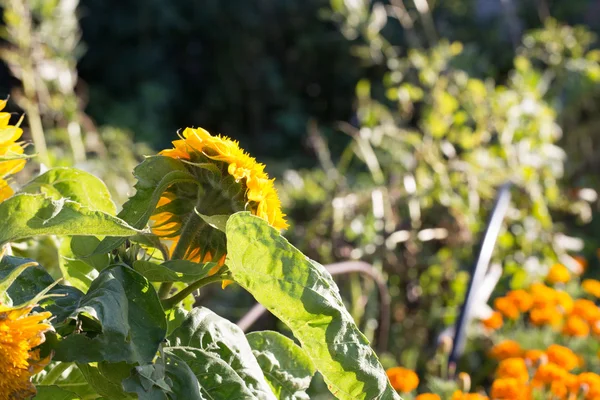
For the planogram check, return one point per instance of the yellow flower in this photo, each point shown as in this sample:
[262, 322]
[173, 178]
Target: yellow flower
[403, 379]
[558, 274]
[230, 180]
[10, 151]
[20, 332]
[591, 286]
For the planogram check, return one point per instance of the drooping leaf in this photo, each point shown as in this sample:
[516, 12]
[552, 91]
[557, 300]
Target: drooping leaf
[26, 215]
[287, 368]
[106, 378]
[32, 281]
[173, 270]
[218, 353]
[154, 175]
[302, 294]
[121, 320]
[73, 184]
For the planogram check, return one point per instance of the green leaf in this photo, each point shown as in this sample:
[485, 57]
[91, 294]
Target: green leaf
[73, 184]
[302, 294]
[173, 271]
[69, 379]
[32, 281]
[8, 280]
[287, 368]
[121, 319]
[154, 175]
[106, 378]
[54, 392]
[77, 266]
[216, 221]
[170, 377]
[218, 353]
[27, 215]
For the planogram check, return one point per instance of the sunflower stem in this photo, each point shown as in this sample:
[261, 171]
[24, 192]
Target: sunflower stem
[182, 294]
[164, 290]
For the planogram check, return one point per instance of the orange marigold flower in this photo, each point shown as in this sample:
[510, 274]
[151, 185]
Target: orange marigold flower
[591, 286]
[576, 326]
[521, 299]
[506, 349]
[506, 307]
[493, 322]
[513, 367]
[459, 395]
[564, 300]
[590, 382]
[533, 356]
[562, 356]
[509, 389]
[558, 274]
[428, 396]
[547, 315]
[548, 373]
[542, 295]
[587, 310]
[402, 379]
[20, 332]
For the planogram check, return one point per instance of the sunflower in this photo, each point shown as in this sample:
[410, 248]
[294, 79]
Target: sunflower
[20, 332]
[228, 180]
[11, 151]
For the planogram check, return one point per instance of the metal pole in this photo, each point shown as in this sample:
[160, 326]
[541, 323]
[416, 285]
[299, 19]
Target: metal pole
[479, 270]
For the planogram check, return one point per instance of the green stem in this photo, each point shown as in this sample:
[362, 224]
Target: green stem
[182, 294]
[164, 290]
[55, 373]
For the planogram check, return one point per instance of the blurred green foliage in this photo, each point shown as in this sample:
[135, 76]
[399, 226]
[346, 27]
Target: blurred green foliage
[412, 192]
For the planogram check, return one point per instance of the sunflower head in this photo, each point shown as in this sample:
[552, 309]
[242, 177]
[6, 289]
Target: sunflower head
[11, 151]
[228, 180]
[21, 331]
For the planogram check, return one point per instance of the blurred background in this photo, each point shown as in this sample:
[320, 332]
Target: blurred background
[388, 124]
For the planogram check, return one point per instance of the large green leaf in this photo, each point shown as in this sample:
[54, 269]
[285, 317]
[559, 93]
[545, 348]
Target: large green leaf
[173, 271]
[303, 295]
[106, 378]
[26, 215]
[120, 318]
[287, 368]
[218, 353]
[73, 184]
[154, 175]
[69, 379]
[35, 279]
